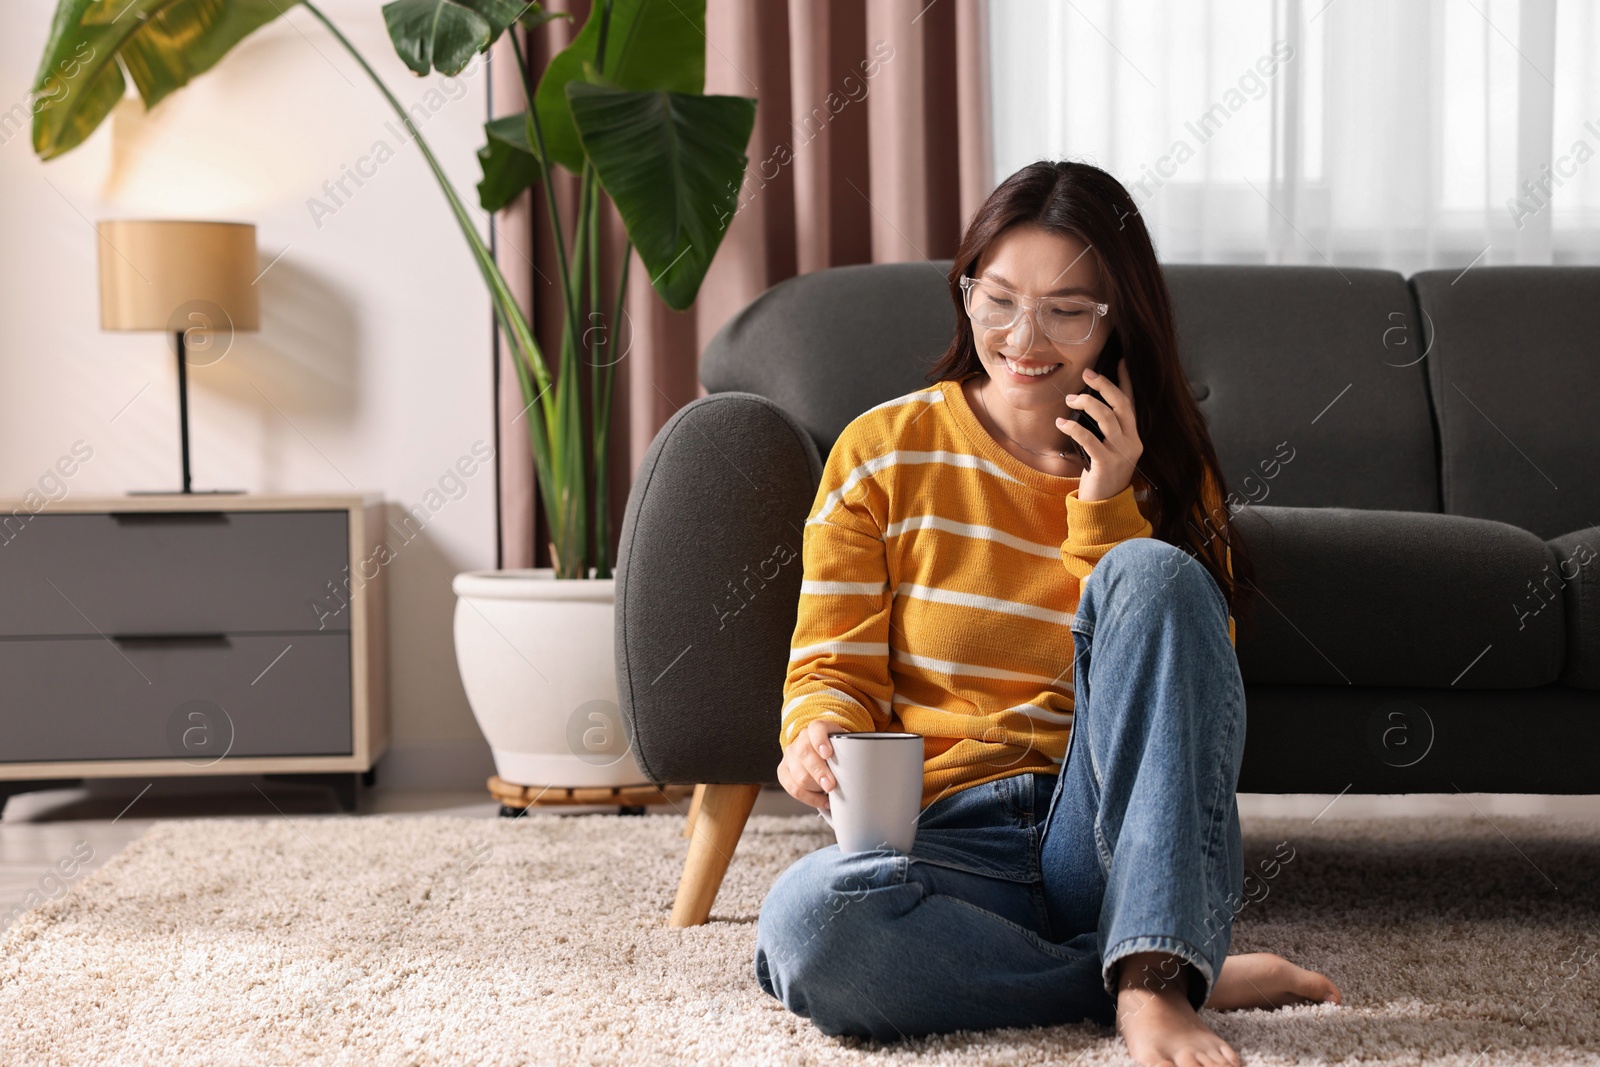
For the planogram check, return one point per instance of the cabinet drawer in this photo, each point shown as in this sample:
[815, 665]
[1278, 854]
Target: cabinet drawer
[93, 573]
[89, 698]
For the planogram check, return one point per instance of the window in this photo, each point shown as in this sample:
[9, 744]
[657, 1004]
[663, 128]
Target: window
[1356, 132]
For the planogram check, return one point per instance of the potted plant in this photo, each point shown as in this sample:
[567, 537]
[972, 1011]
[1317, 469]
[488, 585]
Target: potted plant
[623, 108]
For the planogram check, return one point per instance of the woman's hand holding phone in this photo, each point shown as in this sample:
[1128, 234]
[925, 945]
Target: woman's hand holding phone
[1112, 461]
[804, 771]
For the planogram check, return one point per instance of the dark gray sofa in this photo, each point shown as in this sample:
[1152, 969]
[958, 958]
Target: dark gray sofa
[1429, 617]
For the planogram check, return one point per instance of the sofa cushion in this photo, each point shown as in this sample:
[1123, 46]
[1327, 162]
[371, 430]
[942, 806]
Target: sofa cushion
[1511, 360]
[1575, 579]
[1316, 364]
[1389, 598]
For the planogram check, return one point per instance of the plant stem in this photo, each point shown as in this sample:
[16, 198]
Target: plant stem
[542, 157]
[595, 333]
[571, 380]
[600, 377]
[567, 507]
[602, 423]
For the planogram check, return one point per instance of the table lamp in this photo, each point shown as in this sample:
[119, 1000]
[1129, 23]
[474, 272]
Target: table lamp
[194, 280]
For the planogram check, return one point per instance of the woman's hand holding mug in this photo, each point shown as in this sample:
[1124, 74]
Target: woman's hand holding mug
[804, 771]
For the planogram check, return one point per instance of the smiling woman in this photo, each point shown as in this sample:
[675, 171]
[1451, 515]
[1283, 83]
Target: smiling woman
[1070, 231]
[1074, 683]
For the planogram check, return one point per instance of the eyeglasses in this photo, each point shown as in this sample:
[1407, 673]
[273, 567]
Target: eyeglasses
[1061, 318]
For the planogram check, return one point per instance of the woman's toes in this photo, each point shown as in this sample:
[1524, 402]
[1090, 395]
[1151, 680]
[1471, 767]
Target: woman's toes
[1325, 991]
[1314, 987]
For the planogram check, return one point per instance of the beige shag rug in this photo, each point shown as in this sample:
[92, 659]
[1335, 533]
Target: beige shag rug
[401, 940]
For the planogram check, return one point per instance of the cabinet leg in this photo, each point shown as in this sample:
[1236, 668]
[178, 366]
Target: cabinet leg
[717, 828]
[12, 787]
[346, 787]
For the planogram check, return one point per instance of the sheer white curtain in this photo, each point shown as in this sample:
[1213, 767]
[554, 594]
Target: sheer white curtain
[1429, 133]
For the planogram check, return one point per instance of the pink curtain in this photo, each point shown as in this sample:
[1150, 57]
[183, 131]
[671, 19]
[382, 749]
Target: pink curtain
[870, 146]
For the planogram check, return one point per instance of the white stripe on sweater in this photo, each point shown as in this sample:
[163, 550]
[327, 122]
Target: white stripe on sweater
[931, 396]
[1032, 711]
[967, 529]
[789, 708]
[899, 456]
[987, 603]
[972, 670]
[814, 588]
[844, 648]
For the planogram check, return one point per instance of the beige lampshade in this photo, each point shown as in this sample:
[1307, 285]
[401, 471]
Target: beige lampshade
[162, 274]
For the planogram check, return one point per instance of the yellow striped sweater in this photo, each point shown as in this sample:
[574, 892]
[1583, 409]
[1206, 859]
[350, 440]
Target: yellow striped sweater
[940, 578]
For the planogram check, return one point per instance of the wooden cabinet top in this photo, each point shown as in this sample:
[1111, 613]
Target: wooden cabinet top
[198, 502]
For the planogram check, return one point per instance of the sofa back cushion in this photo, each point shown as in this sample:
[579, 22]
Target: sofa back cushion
[1513, 359]
[1315, 364]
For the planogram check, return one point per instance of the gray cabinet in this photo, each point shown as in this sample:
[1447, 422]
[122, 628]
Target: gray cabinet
[175, 571]
[191, 635]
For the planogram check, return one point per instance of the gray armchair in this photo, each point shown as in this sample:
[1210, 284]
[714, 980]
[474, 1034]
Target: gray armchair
[1412, 466]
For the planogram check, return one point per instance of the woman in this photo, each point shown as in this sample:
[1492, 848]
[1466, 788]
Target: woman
[1052, 609]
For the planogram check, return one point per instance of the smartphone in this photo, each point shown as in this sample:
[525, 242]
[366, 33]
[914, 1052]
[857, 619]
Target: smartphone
[1107, 364]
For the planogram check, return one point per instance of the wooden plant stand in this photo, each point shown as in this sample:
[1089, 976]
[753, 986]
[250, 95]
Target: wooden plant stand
[630, 800]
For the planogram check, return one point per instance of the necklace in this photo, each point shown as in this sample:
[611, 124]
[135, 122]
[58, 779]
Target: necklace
[1024, 447]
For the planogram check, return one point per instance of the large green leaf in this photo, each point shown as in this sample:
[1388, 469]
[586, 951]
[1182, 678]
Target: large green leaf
[161, 44]
[650, 44]
[673, 164]
[444, 35]
[509, 162]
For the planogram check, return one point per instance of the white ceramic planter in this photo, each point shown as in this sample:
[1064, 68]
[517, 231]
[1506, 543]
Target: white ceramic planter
[536, 656]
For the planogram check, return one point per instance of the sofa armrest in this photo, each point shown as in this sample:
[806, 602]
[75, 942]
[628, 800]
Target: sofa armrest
[1576, 574]
[708, 589]
[1396, 598]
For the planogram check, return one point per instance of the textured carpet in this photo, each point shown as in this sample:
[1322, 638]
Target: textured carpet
[390, 940]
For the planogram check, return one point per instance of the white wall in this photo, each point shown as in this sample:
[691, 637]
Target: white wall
[371, 370]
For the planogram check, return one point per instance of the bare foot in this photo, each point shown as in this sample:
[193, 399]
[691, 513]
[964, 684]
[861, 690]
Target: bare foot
[1265, 980]
[1155, 1018]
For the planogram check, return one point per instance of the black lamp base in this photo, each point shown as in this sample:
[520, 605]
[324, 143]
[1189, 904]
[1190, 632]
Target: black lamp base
[183, 435]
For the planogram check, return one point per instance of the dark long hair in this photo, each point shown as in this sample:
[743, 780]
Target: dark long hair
[1086, 203]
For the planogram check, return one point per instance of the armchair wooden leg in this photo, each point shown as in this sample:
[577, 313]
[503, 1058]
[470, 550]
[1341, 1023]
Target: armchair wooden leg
[694, 809]
[717, 826]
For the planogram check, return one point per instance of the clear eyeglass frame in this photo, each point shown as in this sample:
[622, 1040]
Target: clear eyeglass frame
[1099, 311]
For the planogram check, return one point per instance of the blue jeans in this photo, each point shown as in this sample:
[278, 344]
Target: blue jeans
[1020, 895]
